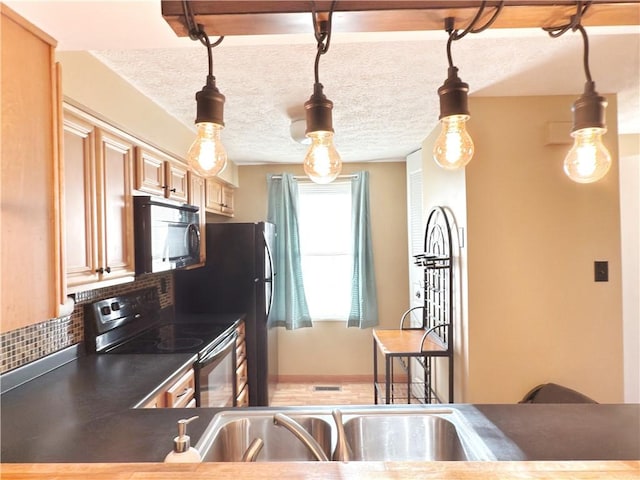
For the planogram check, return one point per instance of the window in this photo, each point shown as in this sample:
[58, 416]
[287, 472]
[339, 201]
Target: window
[324, 218]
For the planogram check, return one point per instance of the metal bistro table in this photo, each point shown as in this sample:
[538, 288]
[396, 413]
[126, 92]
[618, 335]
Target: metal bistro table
[405, 344]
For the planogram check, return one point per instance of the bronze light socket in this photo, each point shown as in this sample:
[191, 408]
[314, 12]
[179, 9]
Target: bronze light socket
[453, 95]
[318, 111]
[589, 109]
[210, 103]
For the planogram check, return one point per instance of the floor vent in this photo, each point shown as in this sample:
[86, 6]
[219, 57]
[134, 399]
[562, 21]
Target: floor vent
[327, 388]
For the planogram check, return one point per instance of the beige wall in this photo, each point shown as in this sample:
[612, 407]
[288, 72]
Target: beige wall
[532, 312]
[630, 233]
[329, 348]
[88, 83]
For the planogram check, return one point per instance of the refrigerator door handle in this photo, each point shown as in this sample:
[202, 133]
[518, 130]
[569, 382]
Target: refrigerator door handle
[269, 279]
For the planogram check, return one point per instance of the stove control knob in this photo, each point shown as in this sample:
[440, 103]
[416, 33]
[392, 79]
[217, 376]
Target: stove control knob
[115, 306]
[106, 310]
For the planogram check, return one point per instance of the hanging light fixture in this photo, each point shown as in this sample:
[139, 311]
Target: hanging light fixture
[588, 160]
[207, 155]
[322, 162]
[454, 147]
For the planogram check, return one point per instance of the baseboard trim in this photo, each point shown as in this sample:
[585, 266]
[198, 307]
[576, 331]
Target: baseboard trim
[327, 379]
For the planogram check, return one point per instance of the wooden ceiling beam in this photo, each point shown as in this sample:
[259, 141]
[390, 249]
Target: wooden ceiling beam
[246, 17]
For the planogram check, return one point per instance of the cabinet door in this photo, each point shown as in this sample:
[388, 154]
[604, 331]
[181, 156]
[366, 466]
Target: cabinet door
[31, 285]
[80, 202]
[197, 198]
[150, 172]
[177, 184]
[214, 196]
[227, 200]
[115, 161]
[219, 197]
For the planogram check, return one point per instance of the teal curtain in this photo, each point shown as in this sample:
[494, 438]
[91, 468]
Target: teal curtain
[289, 308]
[364, 301]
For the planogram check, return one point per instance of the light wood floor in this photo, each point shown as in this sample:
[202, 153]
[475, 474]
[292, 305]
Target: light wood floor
[299, 394]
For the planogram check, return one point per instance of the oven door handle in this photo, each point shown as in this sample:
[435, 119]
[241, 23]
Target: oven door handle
[215, 353]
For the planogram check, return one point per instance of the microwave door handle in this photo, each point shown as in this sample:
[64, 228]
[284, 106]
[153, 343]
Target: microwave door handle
[192, 239]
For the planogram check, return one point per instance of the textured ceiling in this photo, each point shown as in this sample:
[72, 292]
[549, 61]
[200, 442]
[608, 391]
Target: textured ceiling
[383, 86]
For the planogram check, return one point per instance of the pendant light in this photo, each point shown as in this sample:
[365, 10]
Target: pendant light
[207, 155]
[588, 160]
[454, 147]
[322, 163]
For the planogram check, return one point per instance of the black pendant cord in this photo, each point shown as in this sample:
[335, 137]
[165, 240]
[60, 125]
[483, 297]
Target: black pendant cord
[196, 32]
[581, 9]
[471, 28]
[575, 24]
[322, 32]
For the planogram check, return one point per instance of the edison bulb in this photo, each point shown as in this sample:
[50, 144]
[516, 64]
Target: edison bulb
[588, 160]
[322, 163]
[207, 155]
[454, 147]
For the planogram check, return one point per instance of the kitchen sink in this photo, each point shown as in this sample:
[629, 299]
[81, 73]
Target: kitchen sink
[416, 437]
[228, 437]
[376, 433]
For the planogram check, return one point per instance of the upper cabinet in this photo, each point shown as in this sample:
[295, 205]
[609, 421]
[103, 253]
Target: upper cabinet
[115, 210]
[158, 174]
[219, 197]
[81, 226]
[32, 285]
[98, 206]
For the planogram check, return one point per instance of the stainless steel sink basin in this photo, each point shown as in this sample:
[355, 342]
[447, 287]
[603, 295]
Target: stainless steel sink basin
[376, 433]
[228, 439]
[404, 438]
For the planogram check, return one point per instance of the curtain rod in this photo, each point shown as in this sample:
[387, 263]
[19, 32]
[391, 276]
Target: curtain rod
[304, 177]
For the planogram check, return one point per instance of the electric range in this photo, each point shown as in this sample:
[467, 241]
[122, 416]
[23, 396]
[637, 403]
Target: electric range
[135, 323]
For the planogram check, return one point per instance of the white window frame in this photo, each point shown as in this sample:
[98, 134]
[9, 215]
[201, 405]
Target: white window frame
[324, 222]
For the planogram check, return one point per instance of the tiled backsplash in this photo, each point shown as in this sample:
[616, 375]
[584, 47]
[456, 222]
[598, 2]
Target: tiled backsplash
[30, 343]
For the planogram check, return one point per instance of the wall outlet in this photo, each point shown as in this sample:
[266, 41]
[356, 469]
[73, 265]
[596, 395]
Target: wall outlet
[601, 271]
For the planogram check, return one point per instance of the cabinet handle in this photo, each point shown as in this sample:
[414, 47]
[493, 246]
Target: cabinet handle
[166, 187]
[186, 390]
[108, 269]
[103, 270]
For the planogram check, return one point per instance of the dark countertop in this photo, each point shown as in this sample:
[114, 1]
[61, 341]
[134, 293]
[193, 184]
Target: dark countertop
[81, 412]
[537, 431]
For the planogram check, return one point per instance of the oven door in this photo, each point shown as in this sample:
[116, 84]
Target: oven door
[216, 375]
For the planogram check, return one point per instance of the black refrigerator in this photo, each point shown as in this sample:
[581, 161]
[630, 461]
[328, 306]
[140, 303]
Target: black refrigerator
[238, 278]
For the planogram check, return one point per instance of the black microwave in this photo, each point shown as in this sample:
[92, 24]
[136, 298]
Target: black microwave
[167, 235]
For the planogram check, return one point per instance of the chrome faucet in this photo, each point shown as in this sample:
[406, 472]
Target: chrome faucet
[342, 452]
[302, 435]
[253, 450]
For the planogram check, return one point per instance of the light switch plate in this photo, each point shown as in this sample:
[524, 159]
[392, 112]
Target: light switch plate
[601, 271]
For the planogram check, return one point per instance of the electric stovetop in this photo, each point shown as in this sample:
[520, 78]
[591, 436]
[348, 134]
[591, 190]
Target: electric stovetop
[135, 323]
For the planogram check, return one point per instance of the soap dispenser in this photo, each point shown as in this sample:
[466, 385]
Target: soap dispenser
[182, 451]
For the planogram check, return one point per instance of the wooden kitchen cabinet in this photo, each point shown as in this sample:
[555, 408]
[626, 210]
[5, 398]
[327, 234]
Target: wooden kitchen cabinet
[197, 197]
[182, 392]
[32, 281]
[177, 181]
[115, 205]
[219, 197]
[81, 226]
[158, 174]
[178, 392]
[98, 214]
[242, 387]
